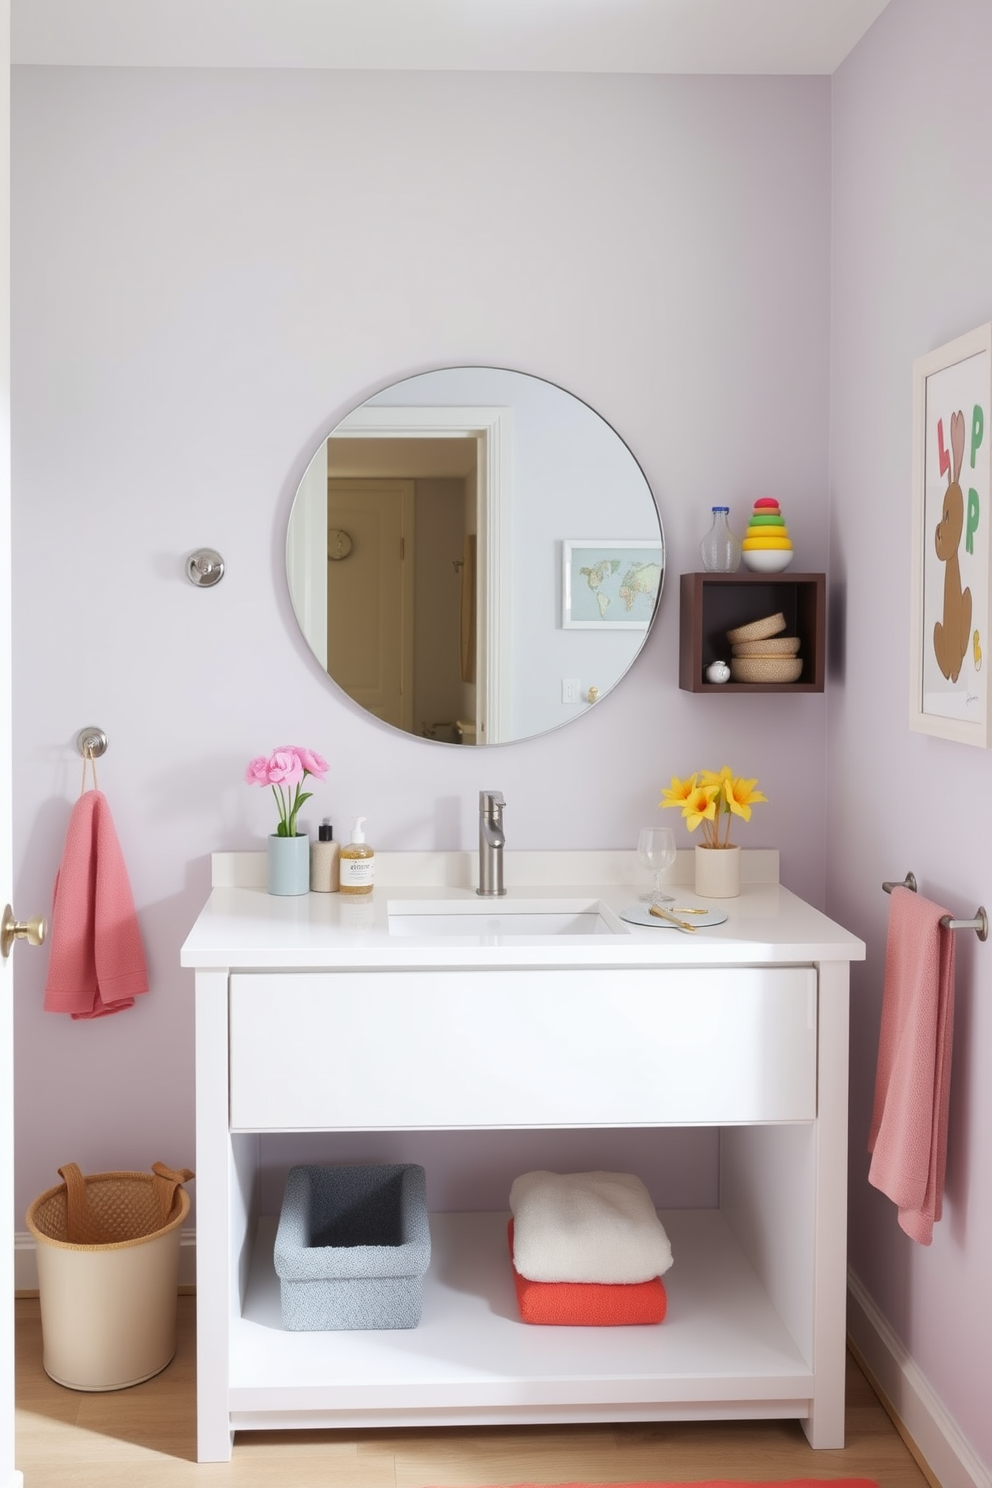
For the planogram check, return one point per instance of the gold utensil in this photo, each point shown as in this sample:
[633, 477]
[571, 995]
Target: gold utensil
[663, 914]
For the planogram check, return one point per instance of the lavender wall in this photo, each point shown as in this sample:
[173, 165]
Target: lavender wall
[912, 236]
[209, 270]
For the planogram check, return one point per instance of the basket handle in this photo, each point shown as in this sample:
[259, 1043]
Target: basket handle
[78, 1226]
[166, 1181]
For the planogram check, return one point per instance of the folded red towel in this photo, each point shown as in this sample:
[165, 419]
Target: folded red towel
[588, 1304]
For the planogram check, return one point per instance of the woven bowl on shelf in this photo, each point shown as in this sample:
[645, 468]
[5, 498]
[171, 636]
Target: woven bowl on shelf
[758, 630]
[766, 668]
[771, 646]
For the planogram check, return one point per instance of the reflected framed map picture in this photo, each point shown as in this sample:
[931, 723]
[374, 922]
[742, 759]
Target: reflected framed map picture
[610, 583]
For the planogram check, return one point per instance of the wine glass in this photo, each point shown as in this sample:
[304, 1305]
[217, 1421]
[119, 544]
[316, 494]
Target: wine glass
[656, 850]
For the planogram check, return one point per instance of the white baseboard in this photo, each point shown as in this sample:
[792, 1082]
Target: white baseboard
[26, 1261]
[944, 1451]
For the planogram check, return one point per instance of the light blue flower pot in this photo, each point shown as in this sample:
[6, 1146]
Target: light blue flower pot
[288, 864]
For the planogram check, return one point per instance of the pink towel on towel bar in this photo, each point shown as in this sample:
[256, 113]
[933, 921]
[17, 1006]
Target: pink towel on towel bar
[908, 1137]
[97, 963]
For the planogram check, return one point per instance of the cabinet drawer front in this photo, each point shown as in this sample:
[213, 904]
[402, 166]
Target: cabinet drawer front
[363, 1050]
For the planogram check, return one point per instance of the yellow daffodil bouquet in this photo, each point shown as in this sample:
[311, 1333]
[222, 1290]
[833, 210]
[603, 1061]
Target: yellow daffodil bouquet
[708, 797]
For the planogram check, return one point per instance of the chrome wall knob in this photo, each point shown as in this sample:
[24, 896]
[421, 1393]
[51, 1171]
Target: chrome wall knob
[205, 568]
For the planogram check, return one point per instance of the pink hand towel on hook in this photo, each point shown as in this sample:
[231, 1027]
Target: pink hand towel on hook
[908, 1137]
[97, 963]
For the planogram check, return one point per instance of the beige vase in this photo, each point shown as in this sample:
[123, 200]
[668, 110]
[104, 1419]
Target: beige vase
[718, 872]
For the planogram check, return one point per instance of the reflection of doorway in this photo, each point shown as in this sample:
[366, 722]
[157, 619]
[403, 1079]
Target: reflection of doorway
[370, 596]
[488, 430]
[443, 473]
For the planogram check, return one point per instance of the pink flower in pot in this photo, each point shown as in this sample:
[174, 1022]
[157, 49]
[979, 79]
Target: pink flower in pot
[285, 770]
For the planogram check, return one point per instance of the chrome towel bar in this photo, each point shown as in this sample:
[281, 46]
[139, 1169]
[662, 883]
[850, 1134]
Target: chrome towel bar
[980, 924]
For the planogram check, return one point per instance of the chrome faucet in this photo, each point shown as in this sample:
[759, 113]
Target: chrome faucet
[491, 843]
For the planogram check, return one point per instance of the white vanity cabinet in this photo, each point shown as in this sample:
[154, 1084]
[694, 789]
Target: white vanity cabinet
[312, 1019]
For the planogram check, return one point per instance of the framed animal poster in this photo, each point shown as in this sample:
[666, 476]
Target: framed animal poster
[952, 516]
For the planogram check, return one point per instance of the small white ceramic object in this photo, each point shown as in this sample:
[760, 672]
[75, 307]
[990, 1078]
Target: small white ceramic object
[718, 671]
[767, 560]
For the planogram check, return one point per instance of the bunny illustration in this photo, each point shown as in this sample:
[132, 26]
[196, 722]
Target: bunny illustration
[952, 634]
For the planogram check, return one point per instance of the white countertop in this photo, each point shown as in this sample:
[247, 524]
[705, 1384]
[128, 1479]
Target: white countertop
[243, 926]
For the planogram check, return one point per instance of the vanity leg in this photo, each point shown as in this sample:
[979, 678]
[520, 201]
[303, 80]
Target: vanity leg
[825, 1425]
[213, 1206]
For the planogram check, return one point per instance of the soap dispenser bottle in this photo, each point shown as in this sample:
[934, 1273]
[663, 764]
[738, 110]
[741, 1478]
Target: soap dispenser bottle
[357, 862]
[325, 854]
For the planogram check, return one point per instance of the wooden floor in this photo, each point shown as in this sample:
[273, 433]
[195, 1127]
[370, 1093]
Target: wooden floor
[145, 1437]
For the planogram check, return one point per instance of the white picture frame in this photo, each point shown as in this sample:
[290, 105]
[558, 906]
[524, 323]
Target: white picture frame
[951, 548]
[597, 592]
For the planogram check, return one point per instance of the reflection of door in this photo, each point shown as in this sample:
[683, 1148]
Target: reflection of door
[370, 596]
[489, 429]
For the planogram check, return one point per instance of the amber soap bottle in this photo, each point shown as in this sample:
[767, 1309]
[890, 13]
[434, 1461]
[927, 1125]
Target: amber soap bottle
[357, 862]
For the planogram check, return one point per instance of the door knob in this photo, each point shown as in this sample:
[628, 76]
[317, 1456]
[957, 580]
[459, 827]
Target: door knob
[33, 931]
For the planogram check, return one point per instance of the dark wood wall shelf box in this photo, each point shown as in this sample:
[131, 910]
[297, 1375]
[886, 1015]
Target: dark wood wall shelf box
[711, 604]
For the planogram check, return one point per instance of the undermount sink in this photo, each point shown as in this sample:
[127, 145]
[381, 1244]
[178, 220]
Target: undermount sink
[502, 917]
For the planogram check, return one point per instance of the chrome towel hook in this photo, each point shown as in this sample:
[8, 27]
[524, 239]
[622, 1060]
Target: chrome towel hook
[91, 743]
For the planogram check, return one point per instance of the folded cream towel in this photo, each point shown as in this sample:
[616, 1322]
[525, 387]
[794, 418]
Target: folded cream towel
[596, 1227]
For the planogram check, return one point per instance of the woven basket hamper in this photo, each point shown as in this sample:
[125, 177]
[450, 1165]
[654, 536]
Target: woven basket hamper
[108, 1274]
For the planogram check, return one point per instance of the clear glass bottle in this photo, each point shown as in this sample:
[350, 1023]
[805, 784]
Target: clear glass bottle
[721, 548]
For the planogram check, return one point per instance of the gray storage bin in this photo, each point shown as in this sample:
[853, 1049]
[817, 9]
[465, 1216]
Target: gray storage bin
[352, 1247]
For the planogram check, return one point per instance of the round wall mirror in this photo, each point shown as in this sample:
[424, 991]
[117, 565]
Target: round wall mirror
[474, 556]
